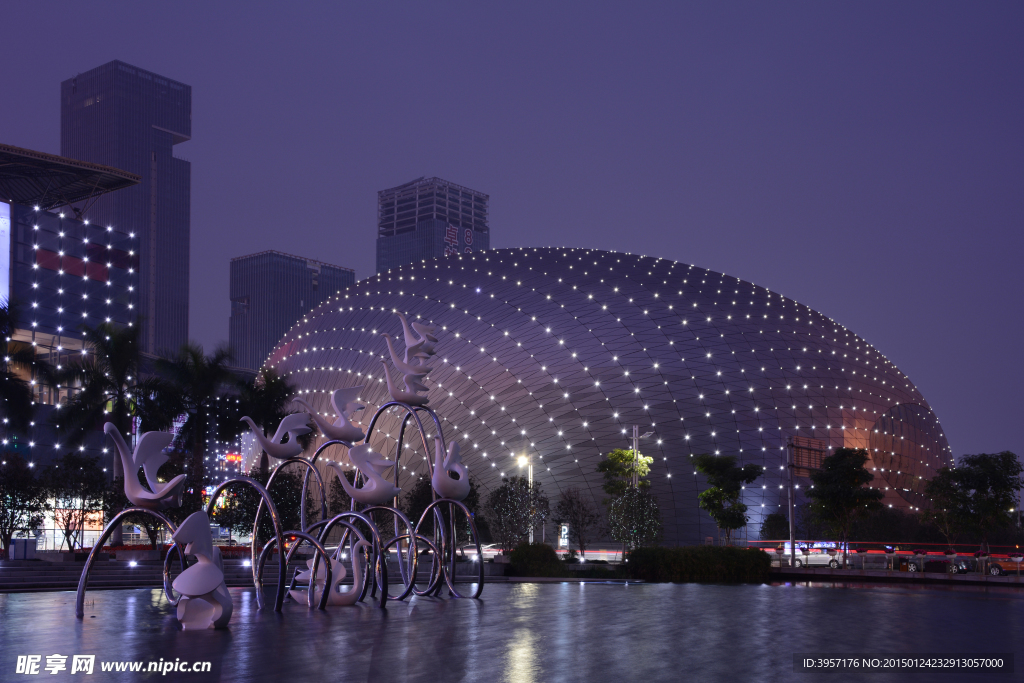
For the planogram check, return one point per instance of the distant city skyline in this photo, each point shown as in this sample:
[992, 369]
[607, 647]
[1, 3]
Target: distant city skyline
[270, 292]
[119, 115]
[429, 218]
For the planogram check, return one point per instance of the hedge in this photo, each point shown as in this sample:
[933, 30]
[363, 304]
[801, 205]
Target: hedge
[536, 559]
[699, 563]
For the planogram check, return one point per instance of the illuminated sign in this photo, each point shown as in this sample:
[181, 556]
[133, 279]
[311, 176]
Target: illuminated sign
[233, 457]
[451, 240]
[563, 536]
[5, 251]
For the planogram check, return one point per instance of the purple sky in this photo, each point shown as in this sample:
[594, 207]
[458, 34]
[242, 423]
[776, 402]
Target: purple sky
[866, 161]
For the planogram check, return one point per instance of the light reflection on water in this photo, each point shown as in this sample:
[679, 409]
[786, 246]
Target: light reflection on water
[535, 632]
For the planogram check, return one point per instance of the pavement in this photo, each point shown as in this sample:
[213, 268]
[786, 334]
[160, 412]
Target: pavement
[826, 573]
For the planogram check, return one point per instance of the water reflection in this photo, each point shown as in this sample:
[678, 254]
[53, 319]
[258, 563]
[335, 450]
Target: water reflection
[533, 632]
[520, 659]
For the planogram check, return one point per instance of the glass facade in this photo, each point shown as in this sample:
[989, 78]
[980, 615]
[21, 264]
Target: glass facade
[556, 353]
[66, 274]
[429, 218]
[129, 118]
[270, 291]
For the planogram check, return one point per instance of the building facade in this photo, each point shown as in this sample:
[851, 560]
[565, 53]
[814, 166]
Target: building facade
[429, 218]
[61, 274]
[557, 353]
[131, 119]
[270, 292]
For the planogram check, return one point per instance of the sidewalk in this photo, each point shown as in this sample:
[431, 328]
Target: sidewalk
[826, 573]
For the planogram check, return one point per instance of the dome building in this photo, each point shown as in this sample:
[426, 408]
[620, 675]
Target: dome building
[556, 353]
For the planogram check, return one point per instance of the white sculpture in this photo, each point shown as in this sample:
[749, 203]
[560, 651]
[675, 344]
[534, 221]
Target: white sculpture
[410, 397]
[410, 365]
[293, 425]
[338, 573]
[376, 490]
[419, 346]
[344, 402]
[423, 336]
[441, 480]
[149, 456]
[205, 601]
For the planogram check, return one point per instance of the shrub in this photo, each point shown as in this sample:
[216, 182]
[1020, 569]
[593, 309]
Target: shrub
[699, 563]
[535, 559]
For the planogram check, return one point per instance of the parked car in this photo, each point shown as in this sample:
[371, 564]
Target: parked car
[818, 557]
[1001, 566]
[817, 554]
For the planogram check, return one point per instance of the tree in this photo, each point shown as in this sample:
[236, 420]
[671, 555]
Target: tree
[774, 527]
[575, 509]
[513, 509]
[112, 390]
[114, 501]
[634, 518]
[21, 498]
[195, 383]
[726, 480]
[74, 486]
[981, 492]
[618, 469]
[236, 509]
[338, 500]
[16, 400]
[415, 499]
[840, 492]
[951, 509]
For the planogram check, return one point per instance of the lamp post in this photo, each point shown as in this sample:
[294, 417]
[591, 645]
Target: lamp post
[636, 453]
[527, 462]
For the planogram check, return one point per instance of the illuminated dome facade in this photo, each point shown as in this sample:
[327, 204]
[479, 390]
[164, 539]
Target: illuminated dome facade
[556, 353]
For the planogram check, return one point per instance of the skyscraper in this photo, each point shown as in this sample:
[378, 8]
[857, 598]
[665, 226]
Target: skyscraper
[428, 218]
[122, 116]
[270, 292]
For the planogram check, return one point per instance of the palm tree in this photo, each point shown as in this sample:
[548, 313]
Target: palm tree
[112, 390]
[16, 400]
[264, 400]
[195, 384]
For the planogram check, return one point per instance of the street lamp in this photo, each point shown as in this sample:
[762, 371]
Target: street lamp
[636, 453]
[527, 462]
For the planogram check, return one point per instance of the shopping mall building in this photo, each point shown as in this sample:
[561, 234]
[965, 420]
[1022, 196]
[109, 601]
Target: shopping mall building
[555, 354]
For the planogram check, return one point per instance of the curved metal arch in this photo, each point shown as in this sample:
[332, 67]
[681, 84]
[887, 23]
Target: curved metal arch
[447, 556]
[408, 576]
[435, 574]
[83, 580]
[168, 589]
[410, 411]
[381, 571]
[276, 518]
[305, 479]
[320, 552]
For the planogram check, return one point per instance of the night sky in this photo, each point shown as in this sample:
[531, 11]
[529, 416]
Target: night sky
[866, 160]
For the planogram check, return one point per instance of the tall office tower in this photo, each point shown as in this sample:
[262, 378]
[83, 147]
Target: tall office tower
[122, 116]
[270, 292]
[428, 218]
